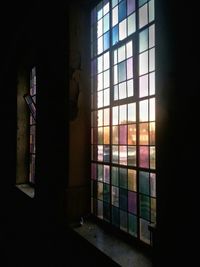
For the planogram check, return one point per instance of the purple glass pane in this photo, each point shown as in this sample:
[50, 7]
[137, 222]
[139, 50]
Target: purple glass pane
[132, 202]
[123, 134]
[130, 6]
[93, 171]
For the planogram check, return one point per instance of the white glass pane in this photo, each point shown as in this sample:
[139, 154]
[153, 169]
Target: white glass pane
[129, 49]
[131, 24]
[122, 90]
[116, 92]
[152, 83]
[143, 63]
[99, 82]
[122, 114]
[151, 36]
[131, 112]
[106, 97]
[115, 56]
[115, 16]
[106, 61]
[143, 85]
[122, 30]
[143, 16]
[115, 74]
[121, 53]
[100, 45]
[130, 90]
[100, 99]
[115, 115]
[106, 8]
[143, 115]
[152, 59]
[99, 27]
[106, 79]
[100, 64]
[100, 117]
[152, 109]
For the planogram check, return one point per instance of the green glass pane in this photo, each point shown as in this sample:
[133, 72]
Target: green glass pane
[100, 191]
[106, 212]
[106, 193]
[143, 40]
[151, 11]
[144, 207]
[144, 183]
[100, 172]
[143, 63]
[123, 221]
[121, 53]
[100, 135]
[123, 181]
[132, 180]
[115, 216]
[144, 231]
[142, 2]
[122, 71]
[131, 24]
[132, 225]
[123, 203]
[115, 176]
[115, 135]
[153, 184]
[100, 209]
[106, 23]
[115, 196]
[114, 3]
[152, 157]
[153, 210]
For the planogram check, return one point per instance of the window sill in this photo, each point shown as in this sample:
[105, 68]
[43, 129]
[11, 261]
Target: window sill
[27, 189]
[118, 250]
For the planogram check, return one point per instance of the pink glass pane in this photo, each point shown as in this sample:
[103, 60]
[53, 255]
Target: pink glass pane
[123, 155]
[132, 202]
[144, 156]
[100, 153]
[123, 134]
[93, 171]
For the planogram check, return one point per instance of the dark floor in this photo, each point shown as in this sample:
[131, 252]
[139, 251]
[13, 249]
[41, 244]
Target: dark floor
[27, 240]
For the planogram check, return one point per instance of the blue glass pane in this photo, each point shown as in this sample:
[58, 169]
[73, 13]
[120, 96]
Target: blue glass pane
[106, 40]
[106, 212]
[123, 200]
[122, 10]
[115, 35]
[122, 71]
[115, 179]
[106, 193]
[144, 207]
[132, 224]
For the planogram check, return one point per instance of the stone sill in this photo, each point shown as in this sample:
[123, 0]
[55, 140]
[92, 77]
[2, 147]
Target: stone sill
[118, 250]
[27, 189]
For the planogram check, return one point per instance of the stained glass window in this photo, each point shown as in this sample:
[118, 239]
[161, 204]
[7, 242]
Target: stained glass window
[123, 115]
